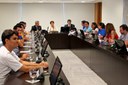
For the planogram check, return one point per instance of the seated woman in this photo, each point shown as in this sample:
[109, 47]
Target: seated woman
[102, 31]
[94, 28]
[52, 27]
[111, 34]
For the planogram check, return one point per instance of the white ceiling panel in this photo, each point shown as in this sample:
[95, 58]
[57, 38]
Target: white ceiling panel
[50, 1]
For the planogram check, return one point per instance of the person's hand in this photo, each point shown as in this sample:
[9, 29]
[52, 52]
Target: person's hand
[106, 39]
[100, 37]
[86, 33]
[24, 56]
[44, 64]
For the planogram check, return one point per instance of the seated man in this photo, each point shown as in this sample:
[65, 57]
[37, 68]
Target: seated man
[87, 30]
[36, 27]
[9, 60]
[124, 34]
[69, 24]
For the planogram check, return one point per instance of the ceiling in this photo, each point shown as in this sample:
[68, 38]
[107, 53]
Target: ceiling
[50, 1]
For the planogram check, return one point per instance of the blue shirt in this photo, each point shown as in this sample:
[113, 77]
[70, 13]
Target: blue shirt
[85, 29]
[102, 32]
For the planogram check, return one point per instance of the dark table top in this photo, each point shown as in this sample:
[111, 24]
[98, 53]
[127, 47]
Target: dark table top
[111, 66]
[18, 78]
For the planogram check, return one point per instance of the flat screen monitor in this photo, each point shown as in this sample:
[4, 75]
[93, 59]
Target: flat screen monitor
[65, 29]
[44, 47]
[82, 34]
[55, 71]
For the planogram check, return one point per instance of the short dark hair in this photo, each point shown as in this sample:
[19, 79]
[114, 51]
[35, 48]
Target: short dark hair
[7, 35]
[83, 22]
[87, 22]
[51, 22]
[17, 25]
[94, 23]
[69, 20]
[124, 27]
[22, 22]
[102, 25]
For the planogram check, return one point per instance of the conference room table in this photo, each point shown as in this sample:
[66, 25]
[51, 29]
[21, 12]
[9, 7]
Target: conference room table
[106, 63]
[18, 78]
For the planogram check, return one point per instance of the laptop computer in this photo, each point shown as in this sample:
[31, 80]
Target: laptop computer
[55, 72]
[44, 47]
[82, 34]
[65, 29]
[57, 67]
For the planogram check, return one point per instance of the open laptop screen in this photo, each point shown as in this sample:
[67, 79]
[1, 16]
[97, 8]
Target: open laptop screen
[44, 47]
[55, 71]
[82, 34]
[65, 29]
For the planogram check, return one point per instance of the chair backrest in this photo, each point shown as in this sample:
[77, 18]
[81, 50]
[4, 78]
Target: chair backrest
[44, 32]
[121, 47]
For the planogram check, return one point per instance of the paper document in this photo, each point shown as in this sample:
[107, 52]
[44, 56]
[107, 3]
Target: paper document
[27, 42]
[28, 51]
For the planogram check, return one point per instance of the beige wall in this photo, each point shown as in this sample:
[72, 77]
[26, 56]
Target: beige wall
[125, 12]
[10, 14]
[112, 11]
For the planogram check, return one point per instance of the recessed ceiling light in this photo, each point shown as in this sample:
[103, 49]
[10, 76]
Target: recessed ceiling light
[40, 1]
[82, 1]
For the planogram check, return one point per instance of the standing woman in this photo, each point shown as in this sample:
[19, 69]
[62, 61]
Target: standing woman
[111, 34]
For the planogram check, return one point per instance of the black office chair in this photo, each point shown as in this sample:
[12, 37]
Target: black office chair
[121, 47]
[44, 32]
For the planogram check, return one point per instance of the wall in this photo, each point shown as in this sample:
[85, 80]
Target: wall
[112, 11]
[125, 12]
[13, 13]
[9, 15]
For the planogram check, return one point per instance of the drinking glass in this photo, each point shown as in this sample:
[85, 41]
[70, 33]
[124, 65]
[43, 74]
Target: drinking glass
[33, 74]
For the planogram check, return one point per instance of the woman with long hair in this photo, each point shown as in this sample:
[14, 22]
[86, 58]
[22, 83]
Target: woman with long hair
[111, 34]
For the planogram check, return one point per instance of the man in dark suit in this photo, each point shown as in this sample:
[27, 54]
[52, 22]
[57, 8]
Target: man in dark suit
[36, 27]
[69, 24]
[72, 29]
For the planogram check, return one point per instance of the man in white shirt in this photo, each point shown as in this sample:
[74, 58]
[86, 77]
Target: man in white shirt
[9, 60]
